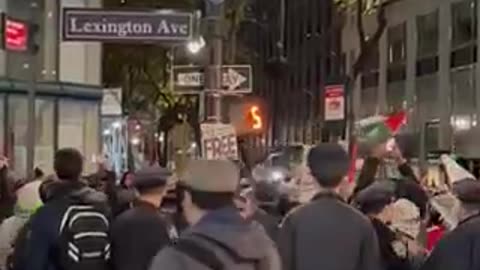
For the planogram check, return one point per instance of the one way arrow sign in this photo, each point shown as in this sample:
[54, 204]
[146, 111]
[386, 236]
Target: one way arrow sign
[232, 79]
[236, 79]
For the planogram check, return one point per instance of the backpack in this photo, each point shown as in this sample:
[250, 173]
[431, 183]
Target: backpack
[84, 237]
[200, 253]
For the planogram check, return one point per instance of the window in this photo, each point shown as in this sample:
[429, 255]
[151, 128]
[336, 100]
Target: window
[369, 84]
[396, 96]
[464, 23]
[426, 98]
[369, 101]
[79, 128]
[463, 91]
[427, 35]
[17, 132]
[396, 73]
[397, 44]
[44, 134]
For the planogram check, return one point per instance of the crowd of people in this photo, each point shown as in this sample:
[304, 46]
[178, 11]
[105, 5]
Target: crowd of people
[207, 218]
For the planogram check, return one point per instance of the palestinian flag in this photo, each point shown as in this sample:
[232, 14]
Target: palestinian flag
[379, 129]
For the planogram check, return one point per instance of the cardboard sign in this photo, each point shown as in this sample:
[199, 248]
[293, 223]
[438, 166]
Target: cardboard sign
[334, 103]
[219, 141]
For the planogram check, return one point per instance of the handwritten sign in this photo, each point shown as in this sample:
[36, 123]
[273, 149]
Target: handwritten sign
[219, 141]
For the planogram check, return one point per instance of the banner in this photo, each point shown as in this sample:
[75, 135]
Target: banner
[219, 141]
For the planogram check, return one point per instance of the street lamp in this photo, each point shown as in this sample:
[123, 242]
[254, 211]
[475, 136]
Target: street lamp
[196, 45]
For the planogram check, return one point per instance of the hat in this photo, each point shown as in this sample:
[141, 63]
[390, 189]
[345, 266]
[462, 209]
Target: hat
[467, 191]
[464, 185]
[454, 171]
[151, 177]
[375, 197]
[406, 218]
[211, 176]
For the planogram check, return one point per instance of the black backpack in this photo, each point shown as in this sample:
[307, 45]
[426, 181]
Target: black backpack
[195, 250]
[83, 237]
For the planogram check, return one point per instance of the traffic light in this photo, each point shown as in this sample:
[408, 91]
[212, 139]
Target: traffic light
[19, 35]
[247, 116]
[254, 118]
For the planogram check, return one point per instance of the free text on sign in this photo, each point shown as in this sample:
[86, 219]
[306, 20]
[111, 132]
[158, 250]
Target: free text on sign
[219, 141]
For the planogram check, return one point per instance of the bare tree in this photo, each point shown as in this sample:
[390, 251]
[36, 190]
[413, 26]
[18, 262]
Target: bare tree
[367, 44]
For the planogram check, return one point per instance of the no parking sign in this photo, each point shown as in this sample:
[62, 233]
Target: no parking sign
[334, 103]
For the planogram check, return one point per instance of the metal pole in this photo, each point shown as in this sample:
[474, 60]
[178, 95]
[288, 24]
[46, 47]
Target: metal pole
[32, 66]
[31, 117]
[350, 121]
[213, 71]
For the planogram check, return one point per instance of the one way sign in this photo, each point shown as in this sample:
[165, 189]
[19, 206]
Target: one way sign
[235, 78]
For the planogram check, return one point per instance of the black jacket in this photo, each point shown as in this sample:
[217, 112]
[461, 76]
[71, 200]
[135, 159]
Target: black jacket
[328, 234]
[137, 236]
[40, 252]
[270, 223]
[459, 249]
[386, 239]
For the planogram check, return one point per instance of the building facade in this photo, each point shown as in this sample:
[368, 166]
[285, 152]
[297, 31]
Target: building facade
[68, 77]
[427, 63]
[297, 53]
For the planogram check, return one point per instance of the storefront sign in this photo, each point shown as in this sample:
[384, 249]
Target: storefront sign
[124, 26]
[334, 103]
[219, 141]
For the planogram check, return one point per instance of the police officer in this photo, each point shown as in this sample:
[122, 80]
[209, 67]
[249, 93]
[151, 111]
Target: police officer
[139, 233]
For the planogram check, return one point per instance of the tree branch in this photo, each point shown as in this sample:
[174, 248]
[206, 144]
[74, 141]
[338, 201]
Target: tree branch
[381, 24]
[368, 46]
[360, 27]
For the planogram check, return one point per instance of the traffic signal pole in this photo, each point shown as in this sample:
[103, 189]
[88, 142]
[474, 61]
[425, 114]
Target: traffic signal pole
[213, 70]
[32, 85]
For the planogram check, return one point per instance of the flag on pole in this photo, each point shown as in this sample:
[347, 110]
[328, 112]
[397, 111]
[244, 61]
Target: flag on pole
[378, 129]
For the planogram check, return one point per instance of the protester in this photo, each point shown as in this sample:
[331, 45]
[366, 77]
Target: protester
[7, 191]
[377, 202]
[140, 233]
[219, 237]
[121, 197]
[254, 202]
[38, 174]
[46, 191]
[459, 249]
[28, 201]
[71, 230]
[327, 233]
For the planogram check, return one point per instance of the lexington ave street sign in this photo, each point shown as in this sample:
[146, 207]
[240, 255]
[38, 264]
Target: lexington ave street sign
[236, 79]
[87, 24]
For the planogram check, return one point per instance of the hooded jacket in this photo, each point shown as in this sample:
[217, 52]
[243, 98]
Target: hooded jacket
[45, 225]
[227, 229]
